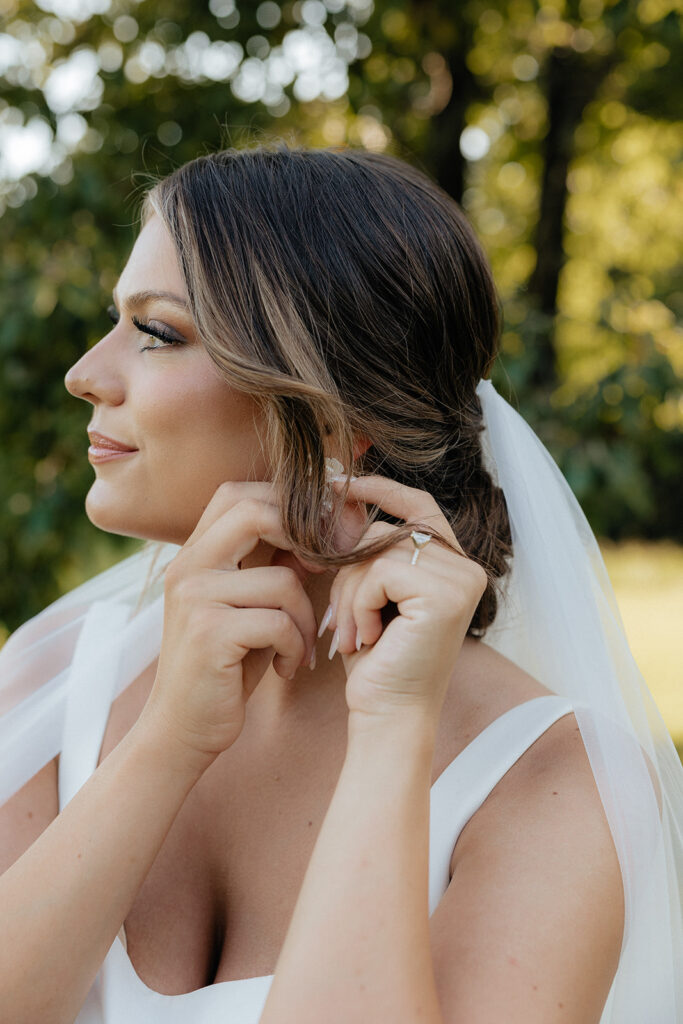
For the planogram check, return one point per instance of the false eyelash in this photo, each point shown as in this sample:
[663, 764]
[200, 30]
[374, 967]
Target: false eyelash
[155, 332]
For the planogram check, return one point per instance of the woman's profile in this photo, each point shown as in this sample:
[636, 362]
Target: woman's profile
[357, 736]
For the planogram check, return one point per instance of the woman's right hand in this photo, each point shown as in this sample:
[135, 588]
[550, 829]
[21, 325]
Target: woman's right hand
[222, 623]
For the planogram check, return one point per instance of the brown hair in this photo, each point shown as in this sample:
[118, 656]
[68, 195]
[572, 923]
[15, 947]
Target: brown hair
[347, 294]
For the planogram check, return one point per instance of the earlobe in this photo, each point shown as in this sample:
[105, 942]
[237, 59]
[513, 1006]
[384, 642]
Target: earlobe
[360, 446]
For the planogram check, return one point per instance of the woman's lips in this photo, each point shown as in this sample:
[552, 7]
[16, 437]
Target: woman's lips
[103, 448]
[97, 454]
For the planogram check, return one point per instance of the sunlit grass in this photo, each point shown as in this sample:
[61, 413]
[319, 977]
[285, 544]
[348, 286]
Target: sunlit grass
[648, 583]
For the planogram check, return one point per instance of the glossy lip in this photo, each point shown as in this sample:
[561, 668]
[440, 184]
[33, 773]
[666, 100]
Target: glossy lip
[104, 449]
[100, 441]
[107, 454]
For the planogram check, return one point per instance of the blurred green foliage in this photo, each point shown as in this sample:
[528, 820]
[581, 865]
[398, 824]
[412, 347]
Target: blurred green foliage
[553, 123]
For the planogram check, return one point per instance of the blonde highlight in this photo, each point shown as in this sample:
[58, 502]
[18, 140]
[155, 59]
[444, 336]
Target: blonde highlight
[347, 294]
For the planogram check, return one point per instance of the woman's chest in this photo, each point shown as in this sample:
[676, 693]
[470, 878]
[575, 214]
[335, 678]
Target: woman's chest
[216, 903]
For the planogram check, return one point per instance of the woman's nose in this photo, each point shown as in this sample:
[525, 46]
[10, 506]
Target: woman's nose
[94, 381]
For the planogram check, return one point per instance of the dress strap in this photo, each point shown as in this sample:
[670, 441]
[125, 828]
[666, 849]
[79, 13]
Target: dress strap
[463, 786]
[89, 691]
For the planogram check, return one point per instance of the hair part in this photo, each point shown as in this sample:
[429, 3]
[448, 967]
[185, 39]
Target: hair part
[347, 294]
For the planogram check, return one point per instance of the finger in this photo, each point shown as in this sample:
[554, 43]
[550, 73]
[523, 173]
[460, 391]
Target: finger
[228, 494]
[389, 579]
[343, 590]
[398, 500]
[385, 577]
[377, 529]
[236, 533]
[418, 592]
[349, 526]
[259, 628]
[266, 587]
[342, 623]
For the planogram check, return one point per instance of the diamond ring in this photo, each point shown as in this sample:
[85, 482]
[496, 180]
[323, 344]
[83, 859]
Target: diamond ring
[420, 540]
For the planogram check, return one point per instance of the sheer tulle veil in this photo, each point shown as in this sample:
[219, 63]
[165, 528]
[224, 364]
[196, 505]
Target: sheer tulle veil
[557, 618]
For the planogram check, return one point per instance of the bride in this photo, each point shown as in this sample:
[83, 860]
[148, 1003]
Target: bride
[357, 736]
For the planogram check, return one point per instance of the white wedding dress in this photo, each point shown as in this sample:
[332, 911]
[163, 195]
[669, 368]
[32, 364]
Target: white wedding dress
[558, 621]
[118, 995]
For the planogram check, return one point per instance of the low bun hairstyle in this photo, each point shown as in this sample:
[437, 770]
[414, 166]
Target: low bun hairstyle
[347, 294]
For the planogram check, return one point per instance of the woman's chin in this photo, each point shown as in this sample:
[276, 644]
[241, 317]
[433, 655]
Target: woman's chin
[111, 518]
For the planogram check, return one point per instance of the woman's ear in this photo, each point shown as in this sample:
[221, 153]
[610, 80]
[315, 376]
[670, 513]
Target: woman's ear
[360, 446]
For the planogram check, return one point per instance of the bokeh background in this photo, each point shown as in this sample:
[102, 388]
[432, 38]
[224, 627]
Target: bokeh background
[557, 126]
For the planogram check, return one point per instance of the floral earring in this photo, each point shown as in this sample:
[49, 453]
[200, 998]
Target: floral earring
[333, 471]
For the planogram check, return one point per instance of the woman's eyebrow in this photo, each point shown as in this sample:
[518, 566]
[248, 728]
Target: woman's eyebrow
[140, 298]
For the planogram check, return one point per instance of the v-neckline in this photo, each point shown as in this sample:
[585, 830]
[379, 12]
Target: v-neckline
[439, 785]
[254, 979]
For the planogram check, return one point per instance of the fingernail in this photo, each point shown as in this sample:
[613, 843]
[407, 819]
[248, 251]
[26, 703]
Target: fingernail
[311, 663]
[325, 621]
[359, 642]
[340, 479]
[333, 645]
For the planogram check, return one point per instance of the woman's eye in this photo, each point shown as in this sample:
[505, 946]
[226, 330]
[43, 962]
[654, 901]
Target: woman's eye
[155, 330]
[151, 329]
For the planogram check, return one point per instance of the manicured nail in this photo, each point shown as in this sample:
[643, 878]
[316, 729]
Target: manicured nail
[311, 663]
[359, 642]
[334, 644]
[325, 621]
[340, 479]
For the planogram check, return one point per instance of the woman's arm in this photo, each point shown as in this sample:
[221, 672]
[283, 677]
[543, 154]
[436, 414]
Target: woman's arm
[358, 944]
[64, 900]
[529, 930]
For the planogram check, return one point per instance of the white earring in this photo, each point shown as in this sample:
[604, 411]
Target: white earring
[333, 470]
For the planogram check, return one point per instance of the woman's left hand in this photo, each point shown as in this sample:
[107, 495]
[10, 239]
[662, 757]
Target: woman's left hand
[406, 664]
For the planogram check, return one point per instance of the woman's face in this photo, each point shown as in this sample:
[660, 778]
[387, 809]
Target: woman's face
[189, 428]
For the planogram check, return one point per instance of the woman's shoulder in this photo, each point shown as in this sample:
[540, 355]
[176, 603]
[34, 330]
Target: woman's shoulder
[487, 683]
[484, 685]
[534, 872]
[553, 771]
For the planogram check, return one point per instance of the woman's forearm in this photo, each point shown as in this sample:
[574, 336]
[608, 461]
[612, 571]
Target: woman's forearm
[63, 902]
[358, 946]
